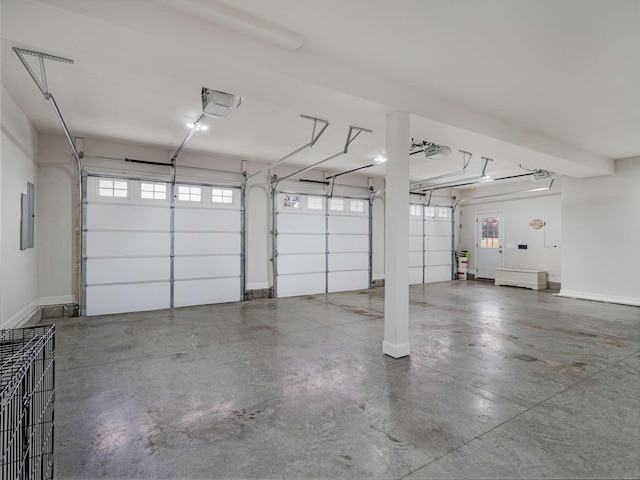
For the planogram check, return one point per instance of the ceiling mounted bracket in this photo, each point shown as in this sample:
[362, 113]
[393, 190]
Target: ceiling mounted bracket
[350, 138]
[484, 167]
[41, 82]
[42, 86]
[314, 138]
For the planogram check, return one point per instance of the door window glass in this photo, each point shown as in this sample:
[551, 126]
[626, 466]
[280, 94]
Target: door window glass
[490, 233]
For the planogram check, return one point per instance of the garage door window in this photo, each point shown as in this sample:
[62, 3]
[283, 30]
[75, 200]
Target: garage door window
[314, 203]
[430, 212]
[291, 201]
[357, 206]
[414, 210]
[219, 195]
[337, 204]
[153, 191]
[443, 213]
[112, 188]
[189, 194]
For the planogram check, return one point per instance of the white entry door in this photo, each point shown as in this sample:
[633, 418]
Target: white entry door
[489, 244]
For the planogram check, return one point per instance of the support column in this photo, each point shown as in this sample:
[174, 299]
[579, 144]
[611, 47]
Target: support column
[396, 237]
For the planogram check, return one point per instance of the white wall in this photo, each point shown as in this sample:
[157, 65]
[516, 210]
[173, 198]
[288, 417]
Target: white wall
[55, 209]
[543, 246]
[601, 234]
[18, 268]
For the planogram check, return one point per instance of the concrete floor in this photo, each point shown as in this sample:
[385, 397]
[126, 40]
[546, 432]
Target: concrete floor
[501, 383]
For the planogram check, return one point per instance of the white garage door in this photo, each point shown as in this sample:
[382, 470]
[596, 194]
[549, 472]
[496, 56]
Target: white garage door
[208, 237]
[348, 232]
[437, 244]
[318, 252]
[301, 245]
[128, 243]
[429, 244]
[127, 246]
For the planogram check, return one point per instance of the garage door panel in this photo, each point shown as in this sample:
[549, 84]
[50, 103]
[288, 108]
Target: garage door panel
[345, 281]
[437, 274]
[105, 299]
[301, 243]
[207, 219]
[207, 243]
[202, 266]
[437, 243]
[115, 270]
[348, 224]
[437, 228]
[119, 244]
[415, 227]
[348, 243]
[104, 216]
[206, 291]
[437, 258]
[348, 261]
[301, 264]
[415, 275]
[415, 259]
[305, 284]
[415, 243]
[301, 223]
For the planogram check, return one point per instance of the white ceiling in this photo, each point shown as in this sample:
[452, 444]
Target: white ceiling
[549, 84]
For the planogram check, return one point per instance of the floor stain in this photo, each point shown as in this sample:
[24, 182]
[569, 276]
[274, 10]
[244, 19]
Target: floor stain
[359, 311]
[566, 331]
[526, 358]
[610, 341]
[389, 436]
[573, 368]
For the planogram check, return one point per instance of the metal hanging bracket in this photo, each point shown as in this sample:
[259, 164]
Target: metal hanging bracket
[486, 163]
[314, 138]
[350, 138]
[41, 82]
[42, 86]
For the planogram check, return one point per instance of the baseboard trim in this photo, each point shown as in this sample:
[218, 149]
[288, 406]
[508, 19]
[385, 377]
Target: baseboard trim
[396, 351]
[599, 298]
[23, 316]
[378, 276]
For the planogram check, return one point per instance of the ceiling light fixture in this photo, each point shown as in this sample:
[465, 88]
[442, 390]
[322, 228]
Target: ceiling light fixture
[380, 159]
[197, 126]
